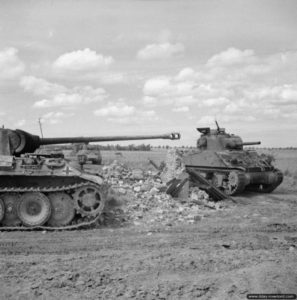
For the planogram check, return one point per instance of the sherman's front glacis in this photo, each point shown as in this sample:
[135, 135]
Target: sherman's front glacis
[223, 161]
[39, 190]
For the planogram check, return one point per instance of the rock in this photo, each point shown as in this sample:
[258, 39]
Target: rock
[122, 191]
[197, 218]
[180, 209]
[137, 189]
[146, 186]
[154, 191]
[137, 174]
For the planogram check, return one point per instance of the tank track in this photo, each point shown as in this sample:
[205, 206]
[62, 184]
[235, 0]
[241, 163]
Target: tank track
[82, 225]
[268, 188]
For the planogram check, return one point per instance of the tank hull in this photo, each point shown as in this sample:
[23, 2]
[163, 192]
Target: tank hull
[236, 171]
[48, 193]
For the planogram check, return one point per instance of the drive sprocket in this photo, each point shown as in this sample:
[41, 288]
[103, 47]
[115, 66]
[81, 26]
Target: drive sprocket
[235, 183]
[89, 200]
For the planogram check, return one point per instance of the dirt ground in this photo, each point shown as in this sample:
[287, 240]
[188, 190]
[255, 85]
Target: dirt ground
[249, 246]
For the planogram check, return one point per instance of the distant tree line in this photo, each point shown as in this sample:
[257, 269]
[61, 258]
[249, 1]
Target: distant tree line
[130, 147]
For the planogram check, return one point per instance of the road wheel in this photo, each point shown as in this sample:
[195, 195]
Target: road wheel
[2, 210]
[10, 201]
[34, 209]
[62, 209]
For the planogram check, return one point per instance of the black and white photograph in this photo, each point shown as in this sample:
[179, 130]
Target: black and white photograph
[148, 149]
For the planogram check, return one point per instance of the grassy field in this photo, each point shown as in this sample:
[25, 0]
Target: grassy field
[285, 160]
[135, 159]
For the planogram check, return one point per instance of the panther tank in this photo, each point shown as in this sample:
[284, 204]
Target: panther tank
[222, 160]
[39, 190]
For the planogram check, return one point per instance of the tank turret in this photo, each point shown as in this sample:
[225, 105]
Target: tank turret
[223, 161]
[218, 139]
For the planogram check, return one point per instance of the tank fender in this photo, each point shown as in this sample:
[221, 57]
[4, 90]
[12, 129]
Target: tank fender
[93, 178]
[96, 179]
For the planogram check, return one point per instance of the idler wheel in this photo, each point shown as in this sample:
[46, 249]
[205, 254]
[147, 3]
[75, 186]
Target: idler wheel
[62, 209]
[34, 209]
[2, 210]
[235, 183]
[10, 201]
[89, 200]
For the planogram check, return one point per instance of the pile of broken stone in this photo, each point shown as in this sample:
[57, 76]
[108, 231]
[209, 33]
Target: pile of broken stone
[139, 196]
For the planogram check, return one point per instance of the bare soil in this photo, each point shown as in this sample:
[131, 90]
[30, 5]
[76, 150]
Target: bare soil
[248, 247]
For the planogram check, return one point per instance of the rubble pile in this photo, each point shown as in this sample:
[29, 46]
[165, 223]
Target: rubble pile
[139, 197]
[174, 166]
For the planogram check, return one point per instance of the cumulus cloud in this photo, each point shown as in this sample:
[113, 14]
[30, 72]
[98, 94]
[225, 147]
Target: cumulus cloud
[81, 60]
[235, 85]
[167, 91]
[74, 97]
[157, 86]
[216, 101]
[279, 95]
[57, 95]
[11, 67]
[55, 117]
[231, 56]
[181, 109]
[115, 110]
[186, 74]
[120, 112]
[160, 51]
[39, 86]
[111, 78]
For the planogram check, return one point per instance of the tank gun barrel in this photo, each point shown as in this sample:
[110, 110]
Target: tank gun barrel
[67, 140]
[17, 142]
[251, 143]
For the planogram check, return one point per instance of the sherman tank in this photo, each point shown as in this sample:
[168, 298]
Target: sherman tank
[222, 160]
[40, 190]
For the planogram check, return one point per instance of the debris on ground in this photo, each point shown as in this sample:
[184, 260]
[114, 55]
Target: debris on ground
[139, 197]
[174, 166]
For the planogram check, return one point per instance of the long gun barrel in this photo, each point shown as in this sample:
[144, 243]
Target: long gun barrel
[67, 140]
[251, 143]
[17, 142]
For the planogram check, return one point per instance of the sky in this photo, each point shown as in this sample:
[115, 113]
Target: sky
[117, 67]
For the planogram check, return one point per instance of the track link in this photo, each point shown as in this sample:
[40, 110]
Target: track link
[82, 225]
